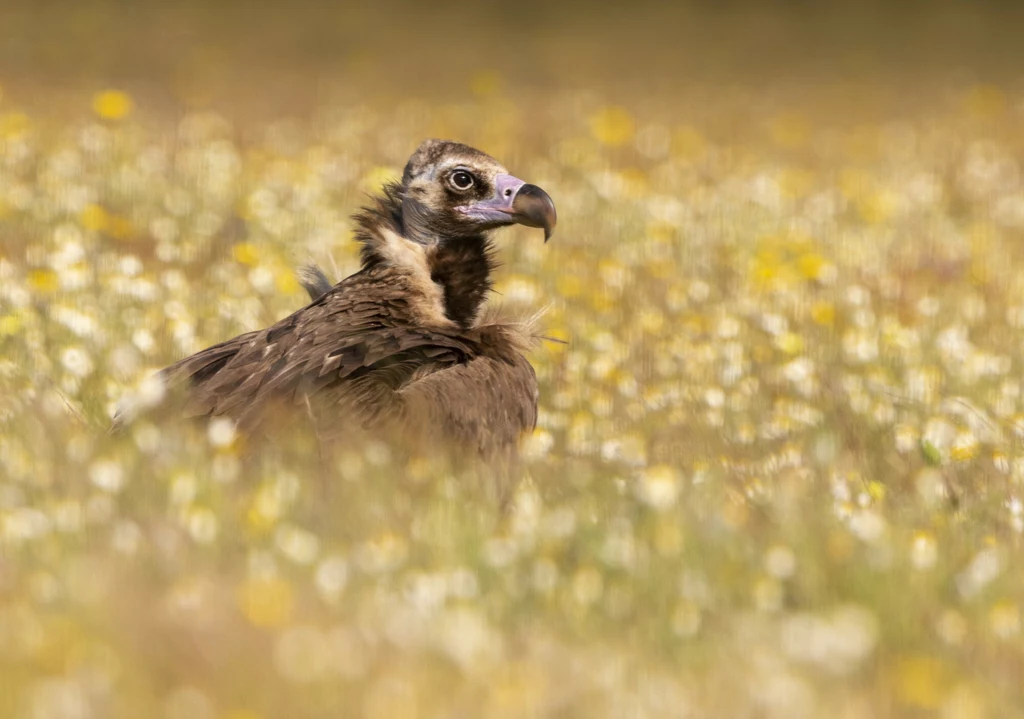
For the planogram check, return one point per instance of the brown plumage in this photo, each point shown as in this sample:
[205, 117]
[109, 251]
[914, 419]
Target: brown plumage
[401, 346]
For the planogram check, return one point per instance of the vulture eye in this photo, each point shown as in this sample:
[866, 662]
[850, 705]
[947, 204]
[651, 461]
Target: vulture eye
[461, 180]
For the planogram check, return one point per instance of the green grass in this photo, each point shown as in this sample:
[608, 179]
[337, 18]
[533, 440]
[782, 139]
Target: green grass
[777, 470]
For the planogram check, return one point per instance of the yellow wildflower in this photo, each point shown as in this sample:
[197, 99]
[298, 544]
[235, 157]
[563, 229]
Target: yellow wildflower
[560, 339]
[246, 253]
[14, 125]
[112, 104]
[10, 325]
[876, 207]
[602, 302]
[44, 281]
[965, 447]
[790, 343]
[266, 602]
[265, 510]
[922, 681]
[285, 281]
[810, 265]
[824, 313]
[876, 490]
[569, 285]
[94, 218]
[613, 126]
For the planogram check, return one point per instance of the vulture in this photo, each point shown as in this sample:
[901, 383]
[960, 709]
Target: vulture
[404, 347]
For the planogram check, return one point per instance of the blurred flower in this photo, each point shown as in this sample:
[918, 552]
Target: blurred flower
[922, 681]
[1005, 620]
[108, 475]
[838, 641]
[14, 125]
[658, 487]
[331, 577]
[43, 281]
[612, 126]
[266, 602]
[221, 432]
[112, 104]
[923, 551]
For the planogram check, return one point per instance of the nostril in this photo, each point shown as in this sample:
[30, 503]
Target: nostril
[508, 192]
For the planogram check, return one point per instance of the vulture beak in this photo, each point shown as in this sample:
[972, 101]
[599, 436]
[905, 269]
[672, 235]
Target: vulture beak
[516, 202]
[534, 208]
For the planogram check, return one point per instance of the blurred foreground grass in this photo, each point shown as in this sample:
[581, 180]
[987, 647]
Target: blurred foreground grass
[777, 471]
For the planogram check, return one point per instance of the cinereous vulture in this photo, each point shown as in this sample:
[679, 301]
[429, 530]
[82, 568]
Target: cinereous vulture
[404, 345]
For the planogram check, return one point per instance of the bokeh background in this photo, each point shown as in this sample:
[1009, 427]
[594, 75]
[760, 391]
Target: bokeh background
[777, 471]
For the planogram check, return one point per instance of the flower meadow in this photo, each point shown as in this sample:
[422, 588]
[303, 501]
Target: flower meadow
[777, 470]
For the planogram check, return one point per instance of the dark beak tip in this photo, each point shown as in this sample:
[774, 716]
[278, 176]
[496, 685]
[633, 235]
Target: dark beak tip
[550, 221]
[535, 208]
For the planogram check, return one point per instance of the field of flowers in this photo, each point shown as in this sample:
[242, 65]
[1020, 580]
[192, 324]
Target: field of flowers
[778, 469]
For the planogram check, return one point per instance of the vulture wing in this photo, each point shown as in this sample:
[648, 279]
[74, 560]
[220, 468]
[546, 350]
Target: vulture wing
[351, 361]
[345, 335]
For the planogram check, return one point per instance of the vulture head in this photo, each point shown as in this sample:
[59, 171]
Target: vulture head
[433, 227]
[450, 190]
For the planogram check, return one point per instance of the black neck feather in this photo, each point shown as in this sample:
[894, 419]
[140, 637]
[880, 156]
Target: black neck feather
[461, 265]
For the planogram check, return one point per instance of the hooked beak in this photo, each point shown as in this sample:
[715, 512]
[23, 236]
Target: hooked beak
[516, 202]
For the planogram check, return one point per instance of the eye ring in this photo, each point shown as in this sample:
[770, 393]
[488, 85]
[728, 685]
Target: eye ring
[461, 180]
